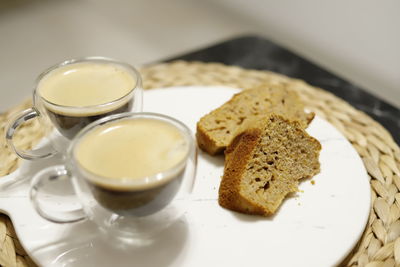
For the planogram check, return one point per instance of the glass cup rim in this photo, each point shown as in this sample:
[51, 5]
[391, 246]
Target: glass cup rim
[142, 183]
[88, 59]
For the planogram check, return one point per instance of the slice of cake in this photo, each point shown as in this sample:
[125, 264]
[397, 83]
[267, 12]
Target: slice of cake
[265, 163]
[217, 129]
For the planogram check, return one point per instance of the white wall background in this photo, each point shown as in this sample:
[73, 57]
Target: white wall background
[357, 39]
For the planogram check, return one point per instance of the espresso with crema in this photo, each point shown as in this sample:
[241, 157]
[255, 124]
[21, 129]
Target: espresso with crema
[133, 166]
[77, 94]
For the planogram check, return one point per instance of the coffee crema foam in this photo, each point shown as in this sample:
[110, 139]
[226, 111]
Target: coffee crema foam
[131, 149]
[85, 84]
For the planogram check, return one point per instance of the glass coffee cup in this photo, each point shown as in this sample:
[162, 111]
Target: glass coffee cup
[74, 93]
[132, 174]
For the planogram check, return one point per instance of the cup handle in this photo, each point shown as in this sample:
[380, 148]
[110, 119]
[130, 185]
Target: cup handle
[20, 118]
[44, 177]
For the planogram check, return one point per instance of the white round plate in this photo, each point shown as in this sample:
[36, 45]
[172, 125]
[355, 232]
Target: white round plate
[317, 227]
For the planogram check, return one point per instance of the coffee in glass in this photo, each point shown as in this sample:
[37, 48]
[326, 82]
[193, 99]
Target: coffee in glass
[75, 93]
[116, 158]
[132, 172]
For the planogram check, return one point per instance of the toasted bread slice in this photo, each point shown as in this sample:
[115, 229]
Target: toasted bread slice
[217, 129]
[265, 163]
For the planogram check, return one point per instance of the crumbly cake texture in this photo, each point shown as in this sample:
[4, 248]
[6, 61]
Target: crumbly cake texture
[265, 163]
[216, 130]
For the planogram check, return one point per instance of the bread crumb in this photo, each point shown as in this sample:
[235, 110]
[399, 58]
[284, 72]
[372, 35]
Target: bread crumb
[312, 182]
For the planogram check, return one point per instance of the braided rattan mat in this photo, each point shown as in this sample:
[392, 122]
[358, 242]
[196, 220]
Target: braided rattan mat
[380, 243]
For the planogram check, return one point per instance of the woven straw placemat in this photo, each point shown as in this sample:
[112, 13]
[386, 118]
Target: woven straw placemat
[380, 243]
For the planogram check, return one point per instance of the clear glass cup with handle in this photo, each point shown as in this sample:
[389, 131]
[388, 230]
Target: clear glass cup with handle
[132, 173]
[70, 95]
